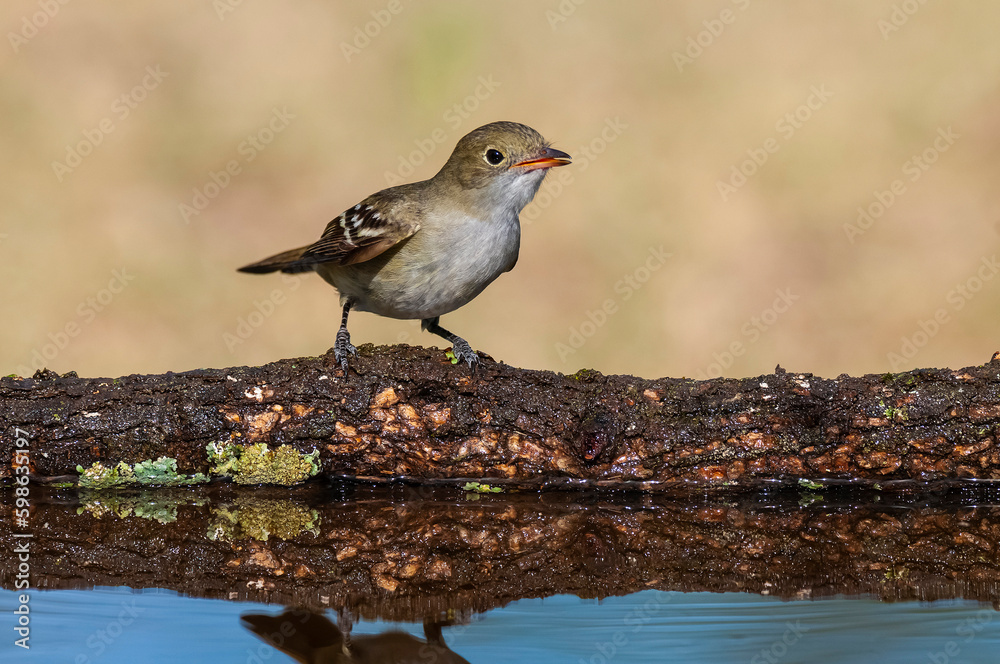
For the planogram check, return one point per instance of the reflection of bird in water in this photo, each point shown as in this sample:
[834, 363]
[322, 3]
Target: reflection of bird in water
[311, 638]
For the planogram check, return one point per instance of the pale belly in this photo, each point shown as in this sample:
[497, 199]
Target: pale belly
[431, 273]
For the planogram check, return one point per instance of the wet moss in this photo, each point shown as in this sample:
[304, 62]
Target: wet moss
[585, 375]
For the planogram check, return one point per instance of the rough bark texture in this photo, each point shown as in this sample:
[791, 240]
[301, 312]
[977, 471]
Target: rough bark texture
[411, 553]
[406, 413]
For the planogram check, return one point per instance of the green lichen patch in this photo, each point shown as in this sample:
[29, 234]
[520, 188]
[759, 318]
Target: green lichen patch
[154, 506]
[896, 573]
[478, 487]
[223, 457]
[891, 412]
[261, 519]
[807, 499]
[161, 472]
[258, 464]
[99, 476]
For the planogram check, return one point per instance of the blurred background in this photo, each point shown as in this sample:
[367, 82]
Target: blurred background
[810, 184]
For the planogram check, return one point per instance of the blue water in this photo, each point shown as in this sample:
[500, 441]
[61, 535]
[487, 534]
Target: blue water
[111, 625]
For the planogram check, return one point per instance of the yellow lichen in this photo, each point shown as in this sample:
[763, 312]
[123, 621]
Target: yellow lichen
[258, 464]
[261, 519]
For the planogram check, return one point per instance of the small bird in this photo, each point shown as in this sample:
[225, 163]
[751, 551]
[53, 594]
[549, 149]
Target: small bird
[421, 250]
[311, 638]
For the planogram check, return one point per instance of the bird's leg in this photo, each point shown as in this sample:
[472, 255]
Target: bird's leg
[432, 632]
[343, 347]
[345, 623]
[460, 348]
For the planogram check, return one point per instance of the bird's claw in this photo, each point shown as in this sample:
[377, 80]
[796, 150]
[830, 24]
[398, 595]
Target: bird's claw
[343, 347]
[463, 352]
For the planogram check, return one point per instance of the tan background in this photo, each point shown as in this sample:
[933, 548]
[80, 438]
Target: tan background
[681, 130]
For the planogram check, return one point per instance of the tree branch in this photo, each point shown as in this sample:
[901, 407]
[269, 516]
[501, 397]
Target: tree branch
[404, 413]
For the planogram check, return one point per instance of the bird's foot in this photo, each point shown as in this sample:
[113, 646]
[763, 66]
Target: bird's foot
[343, 347]
[462, 352]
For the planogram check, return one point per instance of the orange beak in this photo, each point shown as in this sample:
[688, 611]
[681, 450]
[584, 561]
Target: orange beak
[547, 158]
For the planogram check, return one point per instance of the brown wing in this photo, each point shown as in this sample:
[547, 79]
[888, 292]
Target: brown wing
[359, 234]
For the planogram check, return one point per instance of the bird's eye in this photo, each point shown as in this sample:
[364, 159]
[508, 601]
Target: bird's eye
[494, 156]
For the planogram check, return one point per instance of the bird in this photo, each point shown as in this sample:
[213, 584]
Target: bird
[424, 249]
[311, 638]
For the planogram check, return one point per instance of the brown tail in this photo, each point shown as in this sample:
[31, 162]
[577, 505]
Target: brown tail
[287, 261]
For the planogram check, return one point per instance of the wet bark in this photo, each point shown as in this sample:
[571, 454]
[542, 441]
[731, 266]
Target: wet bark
[403, 413]
[412, 553]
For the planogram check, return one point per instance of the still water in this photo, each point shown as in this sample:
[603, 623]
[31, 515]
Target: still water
[648, 626]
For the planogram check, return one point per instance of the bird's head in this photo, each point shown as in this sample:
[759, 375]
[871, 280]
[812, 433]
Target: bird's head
[501, 164]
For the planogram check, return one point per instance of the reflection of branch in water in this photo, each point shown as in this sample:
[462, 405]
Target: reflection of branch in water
[311, 638]
[384, 554]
